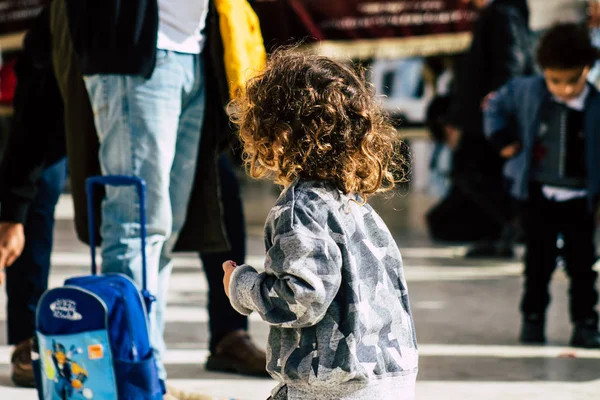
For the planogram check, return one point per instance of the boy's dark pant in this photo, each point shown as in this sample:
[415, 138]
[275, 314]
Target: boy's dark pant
[27, 278]
[543, 221]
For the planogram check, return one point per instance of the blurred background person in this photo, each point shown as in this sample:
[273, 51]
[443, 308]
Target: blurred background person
[500, 50]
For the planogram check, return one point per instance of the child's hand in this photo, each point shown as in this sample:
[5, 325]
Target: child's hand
[228, 267]
[511, 150]
[486, 100]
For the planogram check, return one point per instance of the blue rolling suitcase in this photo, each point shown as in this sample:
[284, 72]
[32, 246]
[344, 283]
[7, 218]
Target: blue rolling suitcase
[92, 337]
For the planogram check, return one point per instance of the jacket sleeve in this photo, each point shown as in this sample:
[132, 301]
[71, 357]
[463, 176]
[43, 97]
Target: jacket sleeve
[37, 135]
[499, 117]
[509, 47]
[302, 277]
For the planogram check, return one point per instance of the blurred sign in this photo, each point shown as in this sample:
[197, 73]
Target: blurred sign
[415, 24]
[17, 15]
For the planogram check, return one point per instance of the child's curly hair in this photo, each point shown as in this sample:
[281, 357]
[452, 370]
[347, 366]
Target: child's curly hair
[310, 117]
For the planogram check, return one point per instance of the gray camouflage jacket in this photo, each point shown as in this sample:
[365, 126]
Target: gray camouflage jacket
[334, 293]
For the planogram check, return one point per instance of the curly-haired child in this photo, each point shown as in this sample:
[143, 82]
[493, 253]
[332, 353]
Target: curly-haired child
[333, 288]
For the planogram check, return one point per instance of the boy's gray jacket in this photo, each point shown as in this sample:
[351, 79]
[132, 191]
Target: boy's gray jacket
[515, 110]
[334, 293]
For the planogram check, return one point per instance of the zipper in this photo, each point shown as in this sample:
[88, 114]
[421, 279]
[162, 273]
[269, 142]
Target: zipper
[563, 144]
[134, 351]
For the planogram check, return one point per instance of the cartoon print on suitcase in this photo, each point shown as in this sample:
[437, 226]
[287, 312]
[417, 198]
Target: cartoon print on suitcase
[74, 348]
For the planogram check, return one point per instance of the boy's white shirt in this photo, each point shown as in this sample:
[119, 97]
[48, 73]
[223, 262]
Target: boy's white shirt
[559, 194]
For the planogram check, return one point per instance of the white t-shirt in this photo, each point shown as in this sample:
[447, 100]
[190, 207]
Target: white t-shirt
[180, 26]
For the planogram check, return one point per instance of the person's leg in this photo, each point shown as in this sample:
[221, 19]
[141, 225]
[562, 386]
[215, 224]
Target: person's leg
[231, 349]
[501, 247]
[27, 278]
[540, 261]
[223, 319]
[138, 123]
[182, 176]
[456, 218]
[579, 254]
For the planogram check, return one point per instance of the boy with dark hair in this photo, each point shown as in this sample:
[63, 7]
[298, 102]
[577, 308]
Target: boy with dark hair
[549, 128]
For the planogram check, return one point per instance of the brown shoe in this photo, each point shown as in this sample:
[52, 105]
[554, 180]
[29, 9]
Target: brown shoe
[22, 370]
[236, 353]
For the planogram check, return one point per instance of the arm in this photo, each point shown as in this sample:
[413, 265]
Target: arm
[36, 135]
[509, 48]
[37, 125]
[498, 119]
[301, 279]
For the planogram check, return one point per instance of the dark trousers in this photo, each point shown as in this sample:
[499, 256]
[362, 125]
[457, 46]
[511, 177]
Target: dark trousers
[478, 205]
[467, 215]
[543, 221]
[27, 278]
[223, 319]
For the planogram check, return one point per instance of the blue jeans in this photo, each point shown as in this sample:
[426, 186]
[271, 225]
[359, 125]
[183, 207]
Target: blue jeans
[27, 278]
[149, 128]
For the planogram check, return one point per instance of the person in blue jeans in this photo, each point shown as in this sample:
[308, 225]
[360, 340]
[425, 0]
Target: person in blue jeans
[149, 128]
[149, 105]
[27, 278]
[38, 120]
[32, 177]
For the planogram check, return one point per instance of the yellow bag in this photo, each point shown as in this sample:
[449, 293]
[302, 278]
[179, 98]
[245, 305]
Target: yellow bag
[245, 54]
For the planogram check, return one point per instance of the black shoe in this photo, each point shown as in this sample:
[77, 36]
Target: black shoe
[481, 249]
[490, 249]
[586, 335]
[532, 331]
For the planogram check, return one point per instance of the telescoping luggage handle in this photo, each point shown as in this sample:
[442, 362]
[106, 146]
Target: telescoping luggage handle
[120, 180]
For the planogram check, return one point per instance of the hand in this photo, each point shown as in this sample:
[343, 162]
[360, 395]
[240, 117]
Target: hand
[228, 268]
[12, 241]
[594, 14]
[453, 136]
[486, 100]
[511, 150]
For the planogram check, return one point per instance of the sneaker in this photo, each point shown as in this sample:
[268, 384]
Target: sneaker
[238, 354]
[586, 335]
[21, 367]
[532, 330]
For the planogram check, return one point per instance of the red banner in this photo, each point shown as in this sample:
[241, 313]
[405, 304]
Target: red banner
[416, 24]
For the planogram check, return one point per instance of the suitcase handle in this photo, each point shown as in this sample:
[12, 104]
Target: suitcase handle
[119, 180]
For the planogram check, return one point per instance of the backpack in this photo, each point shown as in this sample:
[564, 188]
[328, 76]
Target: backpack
[92, 338]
